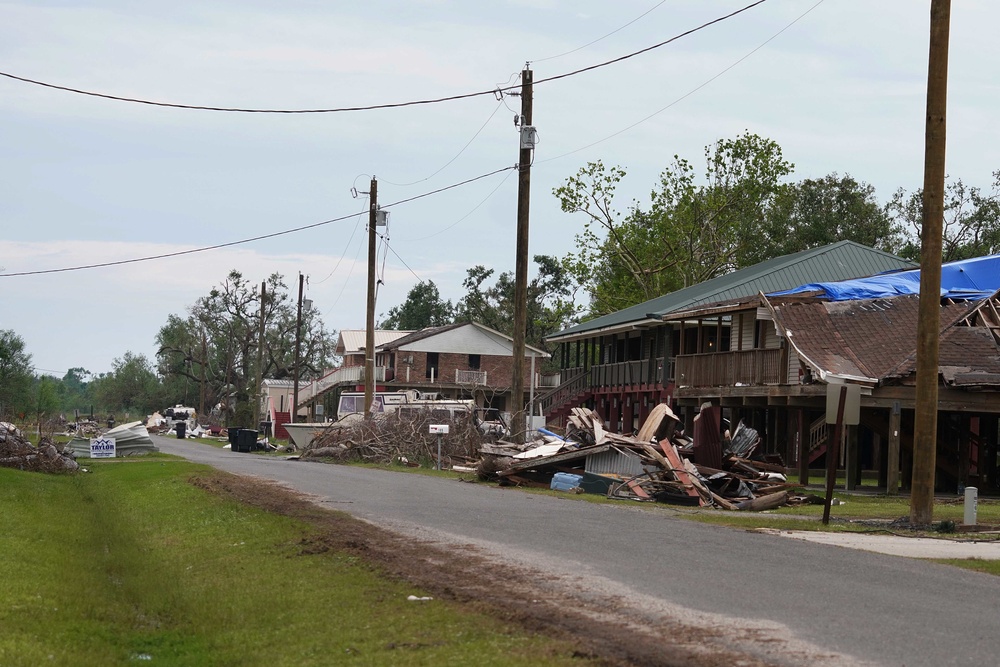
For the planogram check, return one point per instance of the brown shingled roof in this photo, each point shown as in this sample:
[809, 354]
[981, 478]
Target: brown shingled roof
[877, 338]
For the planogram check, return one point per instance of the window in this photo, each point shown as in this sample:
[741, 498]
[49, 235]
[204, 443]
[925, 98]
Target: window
[432, 365]
[474, 362]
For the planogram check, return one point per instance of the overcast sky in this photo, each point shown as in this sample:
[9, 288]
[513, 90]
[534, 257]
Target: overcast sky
[839, 85]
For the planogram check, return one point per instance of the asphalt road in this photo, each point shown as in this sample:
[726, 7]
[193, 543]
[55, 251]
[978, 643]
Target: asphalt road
[865, 607]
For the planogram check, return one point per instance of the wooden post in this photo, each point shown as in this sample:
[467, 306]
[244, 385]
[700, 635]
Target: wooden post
[260, 358]
[852, 471]
[521, 264]
[833, 453]
[963, 451]
[298, 343]
[370, 311]
[892, 461]
[929, 315]
[803, 437]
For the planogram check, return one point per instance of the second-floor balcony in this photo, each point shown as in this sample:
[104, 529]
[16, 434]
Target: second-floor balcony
[730, 369]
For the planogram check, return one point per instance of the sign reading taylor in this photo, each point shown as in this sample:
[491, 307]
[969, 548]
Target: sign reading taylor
[102, 448]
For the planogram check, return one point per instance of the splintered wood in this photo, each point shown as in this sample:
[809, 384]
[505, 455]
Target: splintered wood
[709, 470]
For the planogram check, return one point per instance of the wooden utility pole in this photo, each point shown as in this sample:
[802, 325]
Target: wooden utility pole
[298, 343]
[204, 360]
[521, 265]
[260, 359]
[370, 315]
[929, 314]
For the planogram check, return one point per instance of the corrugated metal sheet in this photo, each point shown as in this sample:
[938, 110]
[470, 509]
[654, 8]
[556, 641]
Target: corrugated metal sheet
[614, 462]
[353, 340]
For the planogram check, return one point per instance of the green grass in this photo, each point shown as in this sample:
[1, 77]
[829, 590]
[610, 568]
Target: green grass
[975, 564]
[130, 562]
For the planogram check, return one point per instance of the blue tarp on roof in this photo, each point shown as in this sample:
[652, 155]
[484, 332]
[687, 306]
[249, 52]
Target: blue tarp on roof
[966, 279]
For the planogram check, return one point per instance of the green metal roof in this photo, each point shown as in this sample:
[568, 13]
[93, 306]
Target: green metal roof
[838, 261]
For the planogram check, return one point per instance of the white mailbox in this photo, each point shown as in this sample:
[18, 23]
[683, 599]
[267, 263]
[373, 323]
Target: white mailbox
[439, 429]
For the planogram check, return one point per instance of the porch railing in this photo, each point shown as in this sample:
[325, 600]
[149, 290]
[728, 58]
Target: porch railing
[626, 373]
[476, 378]
[730, 369]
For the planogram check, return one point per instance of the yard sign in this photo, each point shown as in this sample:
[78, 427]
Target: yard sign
[102, 448]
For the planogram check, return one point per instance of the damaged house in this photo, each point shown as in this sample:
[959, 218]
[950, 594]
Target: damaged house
[777, 354]
[623, 364]
[464, 360]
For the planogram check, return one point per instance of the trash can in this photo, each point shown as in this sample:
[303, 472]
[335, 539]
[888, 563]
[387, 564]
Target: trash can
[181, 428]
[247, 440]
[233, 435]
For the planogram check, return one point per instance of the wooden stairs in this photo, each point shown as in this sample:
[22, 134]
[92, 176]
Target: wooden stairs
[280, 419]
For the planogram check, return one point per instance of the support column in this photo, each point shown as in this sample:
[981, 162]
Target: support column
[988, 436]
[963, 451]
[803, 438]
[852, 464]
[892, 461]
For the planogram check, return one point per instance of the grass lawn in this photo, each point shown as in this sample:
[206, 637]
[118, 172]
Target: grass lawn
[131, 563]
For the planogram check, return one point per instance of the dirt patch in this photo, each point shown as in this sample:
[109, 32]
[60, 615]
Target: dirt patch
[613, 630]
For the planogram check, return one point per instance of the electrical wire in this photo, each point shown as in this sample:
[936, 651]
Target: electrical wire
[242, 241]
[687, 94]
[347, 245]
[457, 155]
[474, 209]
[447, 187]
[649, 48]
[580, 48]
[419, 279]
[373, 107]
[348, 278]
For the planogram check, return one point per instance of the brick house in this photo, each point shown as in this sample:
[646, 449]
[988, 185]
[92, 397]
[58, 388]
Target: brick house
[461, 360]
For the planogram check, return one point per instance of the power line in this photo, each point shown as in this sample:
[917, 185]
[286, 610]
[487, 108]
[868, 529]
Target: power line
[248, 240]
[650, 48]
[372, 107]
[619, 29]
[357, 224]
[474, 209]
[448, 187]
[457, 155]
[419, 279]
[689, 93]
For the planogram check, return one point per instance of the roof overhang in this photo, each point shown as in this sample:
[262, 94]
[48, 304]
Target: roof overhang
[637, 325]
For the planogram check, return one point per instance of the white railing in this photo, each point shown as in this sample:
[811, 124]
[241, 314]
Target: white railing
[548, 381]
[347, 374]
[470, 377]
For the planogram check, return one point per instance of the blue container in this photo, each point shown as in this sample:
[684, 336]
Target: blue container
[564, 481]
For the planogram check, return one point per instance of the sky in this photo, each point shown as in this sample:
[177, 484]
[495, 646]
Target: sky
[840, 85]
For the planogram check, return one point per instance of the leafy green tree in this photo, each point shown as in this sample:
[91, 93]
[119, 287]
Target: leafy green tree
[816, 212]
[550, 306]
[971, 220]
[131, 387]
[74, 390]
[422, 308]
[691, 231]
[16, 375]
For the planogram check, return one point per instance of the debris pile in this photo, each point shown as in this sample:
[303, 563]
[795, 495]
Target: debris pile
[131, 439]
[399, 437]
[660, 463]
[17, 452]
